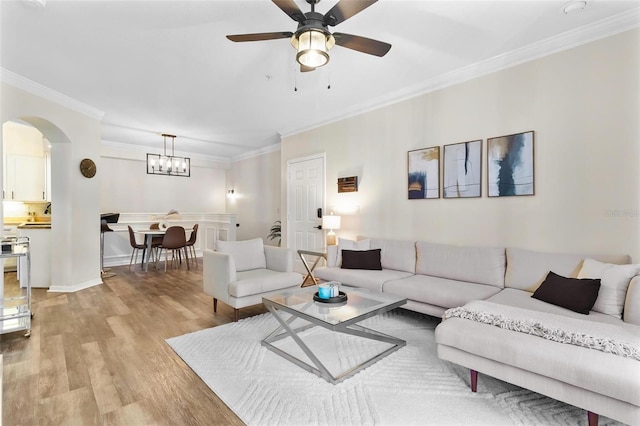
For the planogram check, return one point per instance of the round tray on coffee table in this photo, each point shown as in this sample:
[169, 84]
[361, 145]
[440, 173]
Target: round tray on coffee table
[341, 297]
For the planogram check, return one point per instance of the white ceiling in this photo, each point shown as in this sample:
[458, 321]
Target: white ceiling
[165, 66]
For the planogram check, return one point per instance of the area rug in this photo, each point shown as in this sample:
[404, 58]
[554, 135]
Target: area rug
[412, 386]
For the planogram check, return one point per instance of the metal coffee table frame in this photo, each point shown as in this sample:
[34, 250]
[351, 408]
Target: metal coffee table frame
[349, 326]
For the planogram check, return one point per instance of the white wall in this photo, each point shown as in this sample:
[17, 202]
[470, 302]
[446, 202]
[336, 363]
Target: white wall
[126, 187]
[256, 182]
[583, 105]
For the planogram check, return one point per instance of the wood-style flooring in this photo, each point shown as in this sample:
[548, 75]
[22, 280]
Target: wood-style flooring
[99, 357]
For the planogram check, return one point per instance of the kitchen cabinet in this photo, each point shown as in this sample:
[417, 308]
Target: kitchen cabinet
[25, 178]
[47, 176]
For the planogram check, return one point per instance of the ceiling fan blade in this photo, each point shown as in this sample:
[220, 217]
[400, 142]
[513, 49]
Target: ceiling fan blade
[362, 44]
[290, 8]
[260, 36]
[305, 68]
[344, 10]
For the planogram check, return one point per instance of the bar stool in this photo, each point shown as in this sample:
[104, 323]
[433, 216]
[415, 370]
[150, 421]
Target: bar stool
[104, 227]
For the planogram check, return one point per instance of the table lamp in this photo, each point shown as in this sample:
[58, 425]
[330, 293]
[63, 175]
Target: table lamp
[331, 223]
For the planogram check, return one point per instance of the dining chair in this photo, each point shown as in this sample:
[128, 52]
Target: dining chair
[191, 243]
[135, 246]
[155, 241]
[174, 239]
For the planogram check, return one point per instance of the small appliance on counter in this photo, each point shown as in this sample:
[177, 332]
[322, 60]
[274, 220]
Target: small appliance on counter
[9, 233]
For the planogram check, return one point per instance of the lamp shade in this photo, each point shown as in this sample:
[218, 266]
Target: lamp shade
[313, 47]
[331, 222]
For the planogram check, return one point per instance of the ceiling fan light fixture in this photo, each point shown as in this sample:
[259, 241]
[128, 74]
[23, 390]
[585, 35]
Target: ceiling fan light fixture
[313, 47]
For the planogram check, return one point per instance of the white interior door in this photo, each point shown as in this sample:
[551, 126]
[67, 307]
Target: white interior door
[305, 195]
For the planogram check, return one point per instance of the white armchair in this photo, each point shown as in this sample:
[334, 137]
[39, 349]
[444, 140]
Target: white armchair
[239, 273]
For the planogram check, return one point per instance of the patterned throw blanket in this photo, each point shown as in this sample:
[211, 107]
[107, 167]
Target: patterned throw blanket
[618, 340]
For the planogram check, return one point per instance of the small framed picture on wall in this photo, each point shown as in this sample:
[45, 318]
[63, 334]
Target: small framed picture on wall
[462, 170]
[510, 165]
[424, 173]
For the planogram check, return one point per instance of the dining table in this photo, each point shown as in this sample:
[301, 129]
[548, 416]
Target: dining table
[148, 240]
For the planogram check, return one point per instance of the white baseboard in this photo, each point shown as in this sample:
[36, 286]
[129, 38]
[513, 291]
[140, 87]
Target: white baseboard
[123, 260]
[74, 288]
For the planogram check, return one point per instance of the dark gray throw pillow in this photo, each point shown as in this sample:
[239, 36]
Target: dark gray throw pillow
[578, 295]
[361, 259]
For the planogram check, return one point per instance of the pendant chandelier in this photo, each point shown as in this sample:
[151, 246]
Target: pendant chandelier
[168, 165]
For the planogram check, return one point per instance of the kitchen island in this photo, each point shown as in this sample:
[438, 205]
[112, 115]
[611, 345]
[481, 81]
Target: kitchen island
[39, 234]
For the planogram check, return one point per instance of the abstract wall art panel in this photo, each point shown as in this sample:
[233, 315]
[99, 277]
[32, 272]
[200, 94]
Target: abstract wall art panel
[462, 170]
[510, 165]
[424, 173]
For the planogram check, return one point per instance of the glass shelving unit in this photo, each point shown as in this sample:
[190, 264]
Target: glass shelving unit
[15, 311]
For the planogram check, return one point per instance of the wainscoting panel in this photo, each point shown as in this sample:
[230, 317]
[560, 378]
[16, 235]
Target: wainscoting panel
[117, 250]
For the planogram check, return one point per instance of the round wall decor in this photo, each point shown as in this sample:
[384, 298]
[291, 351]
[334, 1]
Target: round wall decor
[88, 168]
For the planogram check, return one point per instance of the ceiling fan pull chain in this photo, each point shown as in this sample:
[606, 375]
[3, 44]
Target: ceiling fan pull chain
[329, 78]
[295, 79]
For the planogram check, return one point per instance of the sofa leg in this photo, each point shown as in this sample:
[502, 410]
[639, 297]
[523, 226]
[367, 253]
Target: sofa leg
[474, 380]
[592, 418]
[235, 315]
[215, 305]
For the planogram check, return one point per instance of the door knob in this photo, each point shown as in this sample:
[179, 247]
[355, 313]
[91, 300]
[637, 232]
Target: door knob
[318, 227]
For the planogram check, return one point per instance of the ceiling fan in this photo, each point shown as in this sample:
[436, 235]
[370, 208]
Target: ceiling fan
[312, 39]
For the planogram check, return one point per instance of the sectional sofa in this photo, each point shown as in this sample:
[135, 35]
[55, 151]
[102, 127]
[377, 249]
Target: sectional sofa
[494, 326]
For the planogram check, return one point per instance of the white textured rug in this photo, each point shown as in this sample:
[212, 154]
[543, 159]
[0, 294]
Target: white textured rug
[410, 386]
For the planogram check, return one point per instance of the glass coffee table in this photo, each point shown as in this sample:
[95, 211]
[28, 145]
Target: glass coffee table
[298, 306]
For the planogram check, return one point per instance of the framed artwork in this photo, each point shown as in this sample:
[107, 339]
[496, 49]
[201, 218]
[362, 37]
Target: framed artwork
[462, 170]
[510, 165]
[424, 173]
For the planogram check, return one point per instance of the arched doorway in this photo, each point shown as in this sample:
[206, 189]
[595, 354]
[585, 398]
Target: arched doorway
[74, 130]
[58, 150]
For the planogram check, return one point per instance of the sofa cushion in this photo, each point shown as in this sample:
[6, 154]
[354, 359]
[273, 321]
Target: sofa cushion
[575, 294]
[615, 281]
[522, 299]
[526, 269]
[484, 265]
[246, 255]
[438, 291]
[344, 244]
[373, 280]
[361, 259]
[399, 255]
[632, 302]
[257, 281]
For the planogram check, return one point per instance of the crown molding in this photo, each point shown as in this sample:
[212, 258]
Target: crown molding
[583, 35]
[256, 153]
[126, 147]
[13, 79]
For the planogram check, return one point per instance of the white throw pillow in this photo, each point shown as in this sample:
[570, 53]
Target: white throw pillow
[246, 255]
[350, 245]
[614, 280]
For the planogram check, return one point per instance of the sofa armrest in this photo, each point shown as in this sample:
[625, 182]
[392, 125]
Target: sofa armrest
[632, 302]
[218, 271]
[279, 259]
